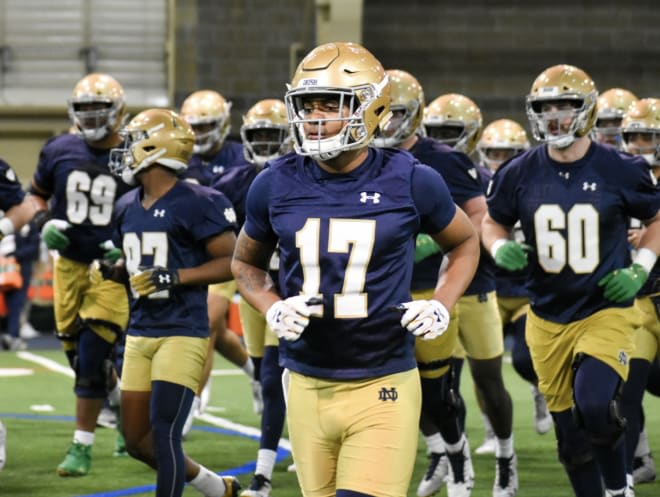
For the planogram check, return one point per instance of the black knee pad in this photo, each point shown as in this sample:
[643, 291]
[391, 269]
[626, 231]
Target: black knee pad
[573, 444]
[96, 384]
[616, 421]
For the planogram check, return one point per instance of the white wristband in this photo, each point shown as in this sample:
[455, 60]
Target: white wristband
[496, 246]
[6, 226]
[646, 258]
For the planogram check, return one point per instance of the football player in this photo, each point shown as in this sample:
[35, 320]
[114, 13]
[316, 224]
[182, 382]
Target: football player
[266, 136]
[456, 121]
[346, 217]
[641, 136]
[442, 426]
[501, 140]
[171, 255]
[573, 197]
[72, 174]
[611, 106]
[208, 113]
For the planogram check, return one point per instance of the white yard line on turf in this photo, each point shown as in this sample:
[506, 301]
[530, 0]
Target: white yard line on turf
[208, 418]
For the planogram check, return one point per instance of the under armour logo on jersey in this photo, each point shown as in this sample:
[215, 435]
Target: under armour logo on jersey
[159, 212]
[374, 197]
[218, 169]
[623, 358]
[164, 279]
[473, 172]
[564, 175]
[588, 186]
[386, 394]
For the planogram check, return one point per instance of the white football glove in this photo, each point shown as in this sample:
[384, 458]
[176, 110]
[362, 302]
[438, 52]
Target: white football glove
[427, 319]
[289, 318]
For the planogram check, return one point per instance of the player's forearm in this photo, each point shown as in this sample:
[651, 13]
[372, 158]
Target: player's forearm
[255, 285]
[216, 270]
[463, 260]
[492, 231]
[21, 214]
[650, 238]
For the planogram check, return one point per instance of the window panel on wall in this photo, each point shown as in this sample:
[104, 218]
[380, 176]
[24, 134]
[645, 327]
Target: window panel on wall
[49, 46]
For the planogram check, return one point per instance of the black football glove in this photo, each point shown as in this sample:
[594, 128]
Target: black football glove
[154, 279]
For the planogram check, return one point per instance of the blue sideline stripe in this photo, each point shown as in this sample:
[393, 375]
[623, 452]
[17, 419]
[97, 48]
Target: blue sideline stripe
[240, 470]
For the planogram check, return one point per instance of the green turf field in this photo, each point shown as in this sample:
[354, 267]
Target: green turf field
[38, 439]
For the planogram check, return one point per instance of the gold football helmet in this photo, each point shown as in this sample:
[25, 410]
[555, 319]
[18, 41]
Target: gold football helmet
[265, 132]
[573, 95]
[455, 120]
[208, 113]
[349, 74]
[96, 107]
[610, 108]
[407, 107]
[154, 136]
[501, 140]
[641, 130]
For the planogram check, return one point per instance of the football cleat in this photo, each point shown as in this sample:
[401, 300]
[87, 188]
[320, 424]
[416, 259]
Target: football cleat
[77, 461]
[488, 445]
[107, 418]
[260, 486]
[460, 480]
[120, 446]
[644, 469]
[435, 475]
[506, 477]
[232, 486]
[542, 417]
[291, 468]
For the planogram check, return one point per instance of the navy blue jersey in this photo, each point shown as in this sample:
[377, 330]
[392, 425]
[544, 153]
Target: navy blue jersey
[82, 191]
[350, 238]
[575, 216]
[203, 170]
[172, 233]
[234, 183]
[464, 183]
[11, 193]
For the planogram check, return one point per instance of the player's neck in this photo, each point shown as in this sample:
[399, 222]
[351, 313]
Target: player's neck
[409, 143]
[345, 162]
[573, 153]
[156, 182]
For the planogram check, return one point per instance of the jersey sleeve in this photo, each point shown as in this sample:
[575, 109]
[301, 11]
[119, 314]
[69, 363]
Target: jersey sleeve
[432, 199]
[219, 216]
[11, 193]
[501, 198]
[257, 220]
[643, 198]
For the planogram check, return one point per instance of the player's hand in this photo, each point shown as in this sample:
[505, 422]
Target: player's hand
[427, 319]
[623, 284]
[288, 318]
[425, 246]
[111, 253]
[52, 233]
[512, 255]
[153, 279]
